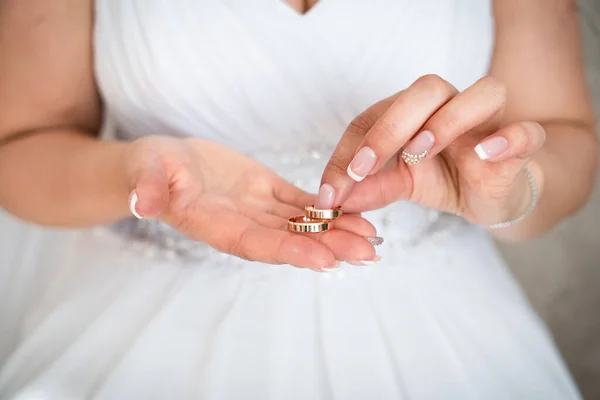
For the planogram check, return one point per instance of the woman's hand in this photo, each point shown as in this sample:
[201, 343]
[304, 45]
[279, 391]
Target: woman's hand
[213, 194]
[440, 148]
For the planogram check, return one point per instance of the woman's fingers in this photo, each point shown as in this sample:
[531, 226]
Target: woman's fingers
[315, 251]
[505, 154]
[335, 182]
[423, 121]
[496, 186]
[347, 245]
[149, 186]
[265, 238]
[275, 246]
[291, 195]
[400, 123]
[356, 158]
[346, 240]
[476, 106]
[377, 191]
[283, 210]
[518, 142]
[231, 232]
[355, 224]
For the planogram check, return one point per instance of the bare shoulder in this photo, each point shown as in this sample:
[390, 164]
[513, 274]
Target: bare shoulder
[538, 54]
[46, 66]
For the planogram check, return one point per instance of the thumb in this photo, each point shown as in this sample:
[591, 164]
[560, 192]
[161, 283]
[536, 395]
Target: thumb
[149, 189]
[513, 147]
[508, 152]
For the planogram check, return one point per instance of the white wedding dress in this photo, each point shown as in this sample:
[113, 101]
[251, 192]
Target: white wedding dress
[133, 311]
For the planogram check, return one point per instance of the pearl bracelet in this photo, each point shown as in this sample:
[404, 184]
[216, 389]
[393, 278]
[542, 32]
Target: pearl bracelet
[532, 204]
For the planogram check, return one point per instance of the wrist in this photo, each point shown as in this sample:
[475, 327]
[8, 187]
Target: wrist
[527, 190]
[63, 178]
[105, 170]
[521, 222]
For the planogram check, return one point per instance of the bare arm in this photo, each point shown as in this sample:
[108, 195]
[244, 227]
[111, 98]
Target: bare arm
[53, 169]
[538, 56]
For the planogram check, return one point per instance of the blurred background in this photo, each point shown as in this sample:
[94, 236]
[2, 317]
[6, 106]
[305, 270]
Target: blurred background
[561, 272]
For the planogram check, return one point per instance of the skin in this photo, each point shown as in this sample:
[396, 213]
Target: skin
[302, 6]
[54, 171]
[535, 97]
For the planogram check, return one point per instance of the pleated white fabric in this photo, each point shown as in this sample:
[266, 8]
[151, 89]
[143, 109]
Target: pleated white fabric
[111, 314]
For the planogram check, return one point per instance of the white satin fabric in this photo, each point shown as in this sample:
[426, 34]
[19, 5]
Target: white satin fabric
[135, 312]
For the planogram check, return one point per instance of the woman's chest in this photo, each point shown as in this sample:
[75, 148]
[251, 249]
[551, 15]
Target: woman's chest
[235, 69]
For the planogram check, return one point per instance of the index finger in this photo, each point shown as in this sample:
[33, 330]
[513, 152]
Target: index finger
[386, 135]
[335, 183]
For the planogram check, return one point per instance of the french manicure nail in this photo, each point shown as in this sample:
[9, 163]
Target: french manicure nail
[356, 263]
[362, 263]
[491, 147]
[418, 148]
[325, 198]
[362, 164]
[334, 268]
[133, 199]
[373, 261]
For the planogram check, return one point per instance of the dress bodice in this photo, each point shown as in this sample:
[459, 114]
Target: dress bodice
[252, 74]
[280, 86]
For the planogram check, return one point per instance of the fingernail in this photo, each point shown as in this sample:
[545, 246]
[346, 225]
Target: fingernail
[491, 147]
[133, 199]
[418, 148]
[335, 268]
[362, 164]
[373, 261]
[325, 198]
[375, 240]
[362, 263]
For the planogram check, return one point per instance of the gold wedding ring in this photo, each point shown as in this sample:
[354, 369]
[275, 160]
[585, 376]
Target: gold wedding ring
[315, 213]
[314, 220]
[303, 224]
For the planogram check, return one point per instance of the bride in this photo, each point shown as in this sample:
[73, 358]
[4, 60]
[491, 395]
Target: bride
[173, 140]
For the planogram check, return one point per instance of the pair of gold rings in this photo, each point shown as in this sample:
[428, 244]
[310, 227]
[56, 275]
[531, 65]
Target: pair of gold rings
[314, 220]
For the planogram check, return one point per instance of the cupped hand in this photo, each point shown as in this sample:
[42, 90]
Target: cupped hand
[216, 195]
[432, 145]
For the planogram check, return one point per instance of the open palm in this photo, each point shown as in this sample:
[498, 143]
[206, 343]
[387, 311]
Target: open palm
[216, 195]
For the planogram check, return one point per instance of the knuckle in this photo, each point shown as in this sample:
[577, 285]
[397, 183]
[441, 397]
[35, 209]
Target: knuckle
[236, 248]
[286, 251]
[496, 87]
[528, 136]
[362, 123]
[522, 138]
[448, 120]
[435, 85]
[430, 80]
[278, 254]
[336, 167]
[386, 194]
[386, 130]
[536, 131]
